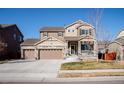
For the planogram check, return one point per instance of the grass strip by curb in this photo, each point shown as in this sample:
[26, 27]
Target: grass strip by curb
[90, 65]
[95, 74]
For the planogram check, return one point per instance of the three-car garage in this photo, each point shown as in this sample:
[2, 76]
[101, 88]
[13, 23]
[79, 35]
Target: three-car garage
[43, 54]
[50, 48]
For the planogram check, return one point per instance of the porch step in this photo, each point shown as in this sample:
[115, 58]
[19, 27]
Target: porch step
[72, 59]
[88, 58]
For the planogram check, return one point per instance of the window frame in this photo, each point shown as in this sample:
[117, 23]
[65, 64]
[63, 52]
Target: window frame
[45, 34]
[90, 32]
[71, 30]
[60, 34]
[82, 32]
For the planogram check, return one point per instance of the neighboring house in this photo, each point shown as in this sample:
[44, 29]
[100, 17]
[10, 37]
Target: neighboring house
[10, 40]
[117, 46]
[102, 45]
[77, 38]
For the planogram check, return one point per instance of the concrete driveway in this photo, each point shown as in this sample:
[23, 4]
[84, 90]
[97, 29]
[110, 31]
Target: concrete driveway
[45, 71]
[29, 71]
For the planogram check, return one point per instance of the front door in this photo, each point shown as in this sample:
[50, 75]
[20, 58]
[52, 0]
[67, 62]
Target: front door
[73, 49]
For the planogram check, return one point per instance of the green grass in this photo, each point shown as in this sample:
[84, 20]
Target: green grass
[95, 74]
[91, 65]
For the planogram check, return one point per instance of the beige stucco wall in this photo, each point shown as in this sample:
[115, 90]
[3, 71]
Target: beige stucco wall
[53, 42]
[73, 27]
[113, 47]
[53, 34]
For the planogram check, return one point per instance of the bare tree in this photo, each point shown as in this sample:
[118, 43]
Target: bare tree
[94, 17]
[102, 34]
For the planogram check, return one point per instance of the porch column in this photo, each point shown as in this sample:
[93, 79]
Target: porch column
[79, 47]
[36, 53]
[66, 50]
[22, 53]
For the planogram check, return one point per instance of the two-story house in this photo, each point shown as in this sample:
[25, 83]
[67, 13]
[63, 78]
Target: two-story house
[10, 40]
[77, 38]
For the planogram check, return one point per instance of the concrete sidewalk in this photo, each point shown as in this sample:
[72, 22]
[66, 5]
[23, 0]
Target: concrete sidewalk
[41, 79]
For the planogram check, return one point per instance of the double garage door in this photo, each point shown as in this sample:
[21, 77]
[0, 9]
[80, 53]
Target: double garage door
[51, 54]
[44, 54]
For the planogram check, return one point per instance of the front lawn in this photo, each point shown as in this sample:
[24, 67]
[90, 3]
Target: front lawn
[91, 65]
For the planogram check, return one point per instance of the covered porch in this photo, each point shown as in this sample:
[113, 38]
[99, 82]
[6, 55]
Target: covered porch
[80, 47]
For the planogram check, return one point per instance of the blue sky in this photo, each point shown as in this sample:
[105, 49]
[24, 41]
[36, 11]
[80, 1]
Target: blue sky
[30, 20]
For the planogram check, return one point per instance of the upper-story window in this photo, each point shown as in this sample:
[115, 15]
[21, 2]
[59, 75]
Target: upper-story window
[60, 33]
[82, 31]
[45, 34]
[85, 32]
[70, 30]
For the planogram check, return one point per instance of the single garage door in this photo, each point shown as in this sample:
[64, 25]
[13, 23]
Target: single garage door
[29, 54]
[51, 54]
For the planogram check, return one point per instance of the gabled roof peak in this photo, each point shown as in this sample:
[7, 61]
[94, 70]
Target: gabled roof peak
[121, 34]
[76, 22]
[79, 21]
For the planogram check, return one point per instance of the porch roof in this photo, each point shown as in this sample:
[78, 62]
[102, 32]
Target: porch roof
[72, 38]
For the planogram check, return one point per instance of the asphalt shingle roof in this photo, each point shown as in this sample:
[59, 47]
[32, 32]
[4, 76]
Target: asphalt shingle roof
[52, 29]
[30, 41]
